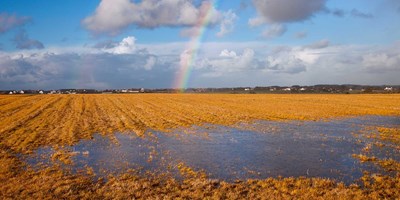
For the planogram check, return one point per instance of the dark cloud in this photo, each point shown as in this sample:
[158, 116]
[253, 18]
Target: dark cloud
[10, 21]
[102, 69]
[89, 70]
[105, 44]
[318, 45]
[338, 12]
[282, 11]
[294, 67]
[22, 41]
[147, 14]
[353, 13]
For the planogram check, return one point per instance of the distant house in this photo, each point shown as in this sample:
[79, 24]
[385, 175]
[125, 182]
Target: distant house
[11, 92]
[41, 92]
[287, 89]
[124, 91]
[21, 92]
[142, 90]
[302, 89]
[388, 89]
[246, 89]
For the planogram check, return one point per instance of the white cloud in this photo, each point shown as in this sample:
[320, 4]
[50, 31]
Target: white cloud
[227, 53]
[126, 46]
[381, 61]
[112, 16]
[257, 21]
[227, 23]
[150, 62]
[274, 30]
[217, 65]
[230, 61]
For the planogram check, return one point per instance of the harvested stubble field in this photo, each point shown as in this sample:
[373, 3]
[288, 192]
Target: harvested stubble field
[28, 122]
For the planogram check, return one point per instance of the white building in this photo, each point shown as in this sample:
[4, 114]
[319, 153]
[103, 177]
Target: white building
[287, 89]
[388, 89]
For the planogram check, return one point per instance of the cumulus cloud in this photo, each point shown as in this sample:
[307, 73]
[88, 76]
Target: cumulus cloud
[228, 23]
[283, 11]
[22, 41]
[225, 64]
[227, 53]
[126, 46]
[229, 62]
[286, 60]
[112, 16]
[87, 70]
[381, 61]
[10, 21]
[274, 30]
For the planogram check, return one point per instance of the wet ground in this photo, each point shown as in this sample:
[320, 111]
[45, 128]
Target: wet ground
[258, 150]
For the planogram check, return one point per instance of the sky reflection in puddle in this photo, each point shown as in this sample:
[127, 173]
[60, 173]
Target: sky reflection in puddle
[269, 149]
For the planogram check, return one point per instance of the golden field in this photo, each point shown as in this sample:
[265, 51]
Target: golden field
[28, 122]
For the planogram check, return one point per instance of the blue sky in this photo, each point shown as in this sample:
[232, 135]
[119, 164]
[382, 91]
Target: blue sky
[142, 43]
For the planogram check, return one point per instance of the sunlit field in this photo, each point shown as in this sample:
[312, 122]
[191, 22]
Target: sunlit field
[167, 146]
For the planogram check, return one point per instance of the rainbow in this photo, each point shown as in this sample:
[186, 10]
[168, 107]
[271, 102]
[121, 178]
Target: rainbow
[190, 55]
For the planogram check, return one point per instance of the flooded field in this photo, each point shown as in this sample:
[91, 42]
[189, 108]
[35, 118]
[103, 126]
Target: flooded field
[251, 151]
[198, 146]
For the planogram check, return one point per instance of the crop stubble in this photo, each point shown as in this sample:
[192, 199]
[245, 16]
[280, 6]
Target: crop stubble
[31, 121]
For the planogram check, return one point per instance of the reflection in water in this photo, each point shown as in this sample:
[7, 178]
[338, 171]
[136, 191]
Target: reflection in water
[258, 150]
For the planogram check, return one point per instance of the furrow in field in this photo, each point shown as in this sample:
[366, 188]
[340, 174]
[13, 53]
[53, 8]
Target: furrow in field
[39, 130]
[129, 122]
[18, 105]
[28, 122]
[19, 119]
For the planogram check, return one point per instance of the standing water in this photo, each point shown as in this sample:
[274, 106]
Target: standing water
[259, 150]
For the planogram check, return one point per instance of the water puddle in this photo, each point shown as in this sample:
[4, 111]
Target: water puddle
[259, 150]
